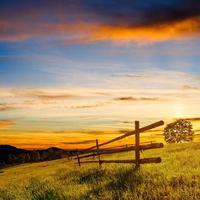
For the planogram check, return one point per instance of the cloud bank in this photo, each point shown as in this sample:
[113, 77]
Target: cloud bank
[86, 21]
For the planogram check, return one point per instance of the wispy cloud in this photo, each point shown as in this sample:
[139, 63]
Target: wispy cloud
[129, 98]
[194, 119]
[142, 86]
[81, 142]
[47, 94]
[190, 87]
[91, 105]
[6, 123]
[44, 96]
[7, 107]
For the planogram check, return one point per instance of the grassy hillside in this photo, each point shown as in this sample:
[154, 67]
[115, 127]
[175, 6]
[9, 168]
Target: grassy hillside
[177, 177]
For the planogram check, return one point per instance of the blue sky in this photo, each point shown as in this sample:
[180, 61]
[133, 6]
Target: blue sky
[41, 66]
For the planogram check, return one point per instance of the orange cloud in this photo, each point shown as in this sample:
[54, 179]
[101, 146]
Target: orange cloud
[156, 33]
[7, 107]
[90, 32]
[6, 123]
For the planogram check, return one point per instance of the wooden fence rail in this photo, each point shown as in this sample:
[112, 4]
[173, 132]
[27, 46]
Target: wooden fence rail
[141, 161]
[121, 150]
[141, 130]
[83, 152]
[128, 145]
[95, 151]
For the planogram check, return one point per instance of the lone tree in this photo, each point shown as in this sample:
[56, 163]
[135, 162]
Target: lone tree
[178, 131]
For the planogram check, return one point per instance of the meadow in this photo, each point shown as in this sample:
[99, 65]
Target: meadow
[177, 177]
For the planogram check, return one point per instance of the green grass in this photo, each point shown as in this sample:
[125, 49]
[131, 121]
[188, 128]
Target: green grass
[176, 178]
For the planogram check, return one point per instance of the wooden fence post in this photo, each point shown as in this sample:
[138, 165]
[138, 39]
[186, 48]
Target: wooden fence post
[77, 154]
[137, 144]
[93, 154]
[97, 144]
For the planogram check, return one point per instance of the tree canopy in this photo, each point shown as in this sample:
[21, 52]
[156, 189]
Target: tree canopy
[179, 131]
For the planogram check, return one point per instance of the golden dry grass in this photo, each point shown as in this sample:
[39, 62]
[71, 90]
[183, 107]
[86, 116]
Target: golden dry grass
[177, 177]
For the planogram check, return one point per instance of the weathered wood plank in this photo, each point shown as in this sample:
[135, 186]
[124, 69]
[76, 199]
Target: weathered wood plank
[146, 128]
[137, 144]
[97, 144]
[78, 158]
[121, 150]
[142, 161]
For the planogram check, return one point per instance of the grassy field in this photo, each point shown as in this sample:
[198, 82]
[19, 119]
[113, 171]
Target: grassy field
[177, 177]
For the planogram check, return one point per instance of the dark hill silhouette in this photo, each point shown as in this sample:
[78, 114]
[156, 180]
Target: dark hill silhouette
[13, 155]
[6, 150]
[11, 149]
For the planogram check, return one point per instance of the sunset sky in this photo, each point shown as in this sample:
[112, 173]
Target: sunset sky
[77, 70]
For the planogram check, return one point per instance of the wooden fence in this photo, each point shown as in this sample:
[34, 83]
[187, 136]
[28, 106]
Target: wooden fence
[96, 152]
